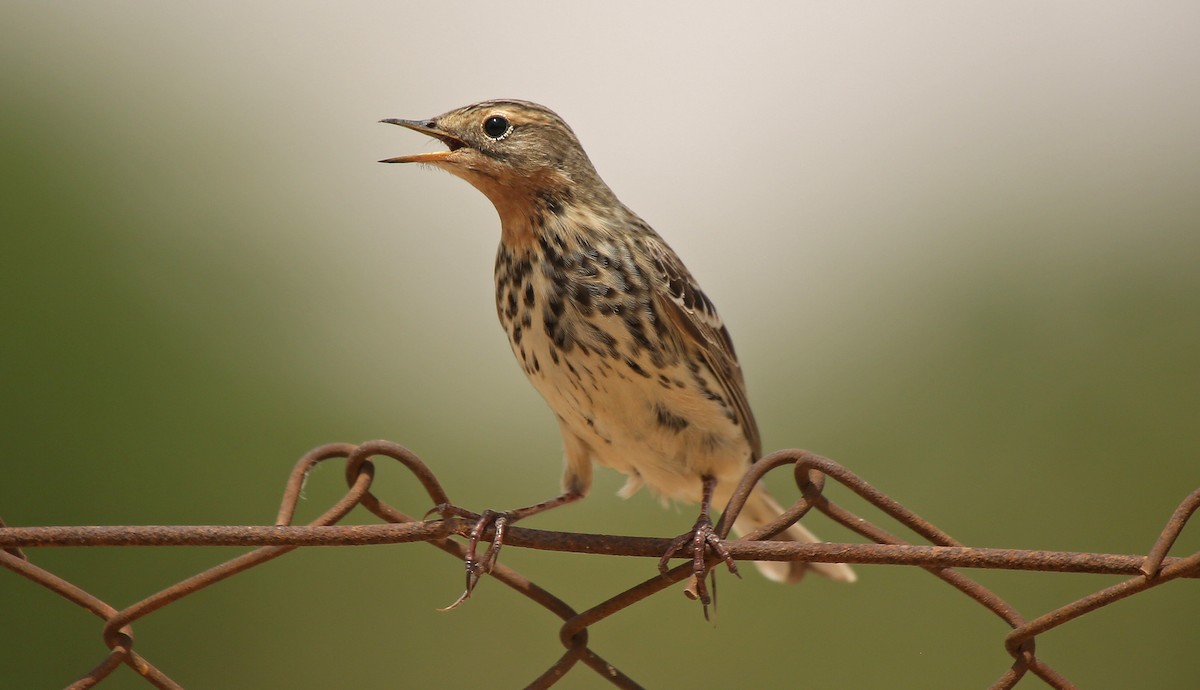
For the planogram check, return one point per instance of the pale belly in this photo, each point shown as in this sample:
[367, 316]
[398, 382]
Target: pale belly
[653, 424]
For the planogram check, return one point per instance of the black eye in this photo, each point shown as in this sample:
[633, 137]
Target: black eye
[496, 126]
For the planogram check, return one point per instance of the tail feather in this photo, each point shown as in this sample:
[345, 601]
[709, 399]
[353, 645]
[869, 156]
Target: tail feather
[760, 509]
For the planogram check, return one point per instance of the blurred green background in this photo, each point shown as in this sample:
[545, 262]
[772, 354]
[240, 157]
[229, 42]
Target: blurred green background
[958, 246]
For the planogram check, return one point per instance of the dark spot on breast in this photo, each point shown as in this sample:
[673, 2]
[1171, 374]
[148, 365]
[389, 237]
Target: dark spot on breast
[510, 310]
[517, 270]
[556, 303]
[529, 295]
[633, 324]
[668, 419]
[708, 393]
[583, 299]
[559, 332]
[556, 263]
[552, 204]
[559, 242]
[608, 344]
[587, 265]
[637, 369]
[563, 340]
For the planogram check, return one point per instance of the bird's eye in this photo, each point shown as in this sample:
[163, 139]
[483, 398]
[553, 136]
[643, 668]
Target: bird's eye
[496, 127]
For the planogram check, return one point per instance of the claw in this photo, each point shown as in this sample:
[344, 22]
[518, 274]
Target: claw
[702, 538]
[478, 567]
[461, 598]
[696, 589]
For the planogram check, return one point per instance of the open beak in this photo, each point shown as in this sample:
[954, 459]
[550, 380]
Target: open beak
[425, 127]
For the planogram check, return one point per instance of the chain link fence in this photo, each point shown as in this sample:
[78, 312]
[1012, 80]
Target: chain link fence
[943, 558]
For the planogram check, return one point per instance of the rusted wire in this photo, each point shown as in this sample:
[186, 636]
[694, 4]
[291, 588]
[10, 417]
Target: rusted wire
[578, 542]
[810, 472]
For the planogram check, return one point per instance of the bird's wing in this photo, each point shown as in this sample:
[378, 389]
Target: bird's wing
[696, 319]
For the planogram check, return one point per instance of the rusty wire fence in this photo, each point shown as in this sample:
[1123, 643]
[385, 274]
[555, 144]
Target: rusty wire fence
[943, 559]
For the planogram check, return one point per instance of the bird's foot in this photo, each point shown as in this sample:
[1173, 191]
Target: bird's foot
[478, 566]
[702, 538]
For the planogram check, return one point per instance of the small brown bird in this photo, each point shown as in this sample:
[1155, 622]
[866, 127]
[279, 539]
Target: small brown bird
[610, 327]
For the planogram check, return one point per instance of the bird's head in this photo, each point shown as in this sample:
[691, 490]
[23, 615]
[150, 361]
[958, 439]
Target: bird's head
[515, 152]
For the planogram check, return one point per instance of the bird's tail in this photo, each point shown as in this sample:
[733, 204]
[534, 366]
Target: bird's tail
[760, 509]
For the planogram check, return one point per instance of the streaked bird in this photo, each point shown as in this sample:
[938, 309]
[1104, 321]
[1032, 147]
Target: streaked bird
[611, 328]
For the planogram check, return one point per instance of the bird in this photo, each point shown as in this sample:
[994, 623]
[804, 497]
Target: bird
[612, 330]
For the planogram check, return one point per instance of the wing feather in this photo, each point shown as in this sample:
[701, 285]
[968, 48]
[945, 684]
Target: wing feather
[696, 319]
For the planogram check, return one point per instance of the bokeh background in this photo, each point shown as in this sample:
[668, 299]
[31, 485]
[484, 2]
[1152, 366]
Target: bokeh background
[958, 246]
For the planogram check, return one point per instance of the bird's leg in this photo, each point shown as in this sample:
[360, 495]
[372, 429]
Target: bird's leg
[499, 521]
[702, 537]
